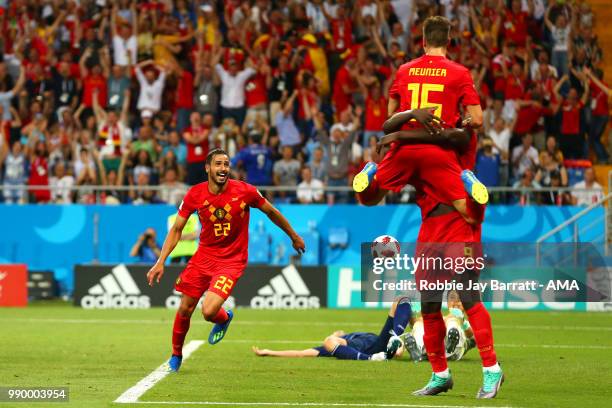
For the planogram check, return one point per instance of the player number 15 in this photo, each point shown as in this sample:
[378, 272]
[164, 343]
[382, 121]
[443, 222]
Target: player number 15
[422, 91]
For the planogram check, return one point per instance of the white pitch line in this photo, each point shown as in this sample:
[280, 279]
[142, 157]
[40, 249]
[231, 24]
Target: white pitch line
[308, 404]
[502, 345]
[288, 323]
[153, 321]
[142, 386]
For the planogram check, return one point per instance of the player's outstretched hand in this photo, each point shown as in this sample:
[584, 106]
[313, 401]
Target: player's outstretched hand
[430, 122]
[260, 352]
[298, 244]
[155, 273]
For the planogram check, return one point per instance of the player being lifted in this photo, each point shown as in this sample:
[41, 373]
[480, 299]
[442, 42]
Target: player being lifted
[359, 345]
[223, 207]
[448, 216]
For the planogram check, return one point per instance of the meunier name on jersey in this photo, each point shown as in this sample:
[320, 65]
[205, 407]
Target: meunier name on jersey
[436, 72]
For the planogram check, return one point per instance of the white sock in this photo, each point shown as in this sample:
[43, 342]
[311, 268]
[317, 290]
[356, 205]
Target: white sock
[494, 368]
[443, 374]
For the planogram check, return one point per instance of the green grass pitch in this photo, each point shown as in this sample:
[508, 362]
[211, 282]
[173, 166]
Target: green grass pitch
[550, 359]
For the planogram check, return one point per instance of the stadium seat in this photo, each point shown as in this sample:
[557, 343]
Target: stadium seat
[259, 244]
[312, 240]
[338, 237]
[575, 170]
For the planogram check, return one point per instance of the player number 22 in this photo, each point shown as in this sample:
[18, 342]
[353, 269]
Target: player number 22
[420, 96]
[222, 229]
[224, 284]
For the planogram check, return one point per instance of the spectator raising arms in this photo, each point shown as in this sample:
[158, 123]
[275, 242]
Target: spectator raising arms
[151, 87]
[233, 82]
[571, 140]
[112, 133]
[600, 94]
[137, 92]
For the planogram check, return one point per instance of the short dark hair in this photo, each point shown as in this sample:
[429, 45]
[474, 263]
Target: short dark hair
[213, 153]
[436, 31]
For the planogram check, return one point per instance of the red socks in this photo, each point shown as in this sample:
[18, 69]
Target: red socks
[179, 331]
[181, 327]
[435, 331]
[369, 194]
[221, 317]
[483, 333]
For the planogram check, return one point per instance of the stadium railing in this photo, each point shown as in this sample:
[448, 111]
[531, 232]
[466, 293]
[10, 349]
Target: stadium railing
[529, 194]
[577, 230]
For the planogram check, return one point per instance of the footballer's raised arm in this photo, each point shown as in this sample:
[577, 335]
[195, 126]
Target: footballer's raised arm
[475, 114]
[454, 138]
[279, 219]
[424, 116]
[392, 106]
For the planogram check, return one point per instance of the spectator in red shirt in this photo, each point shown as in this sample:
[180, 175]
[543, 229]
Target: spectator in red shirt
[375, 111]
[501, 64]
[184, 95]
[600, 93]
[341, 30]
[196, 139]
[515, 24]
[530, 112]
[345, 84]
[571, 140]
[515, 82]
[256, 93]
[94, 78]
[39, 173]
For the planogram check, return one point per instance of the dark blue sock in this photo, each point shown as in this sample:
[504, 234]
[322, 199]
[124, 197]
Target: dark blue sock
[349, 353]
[403, 311]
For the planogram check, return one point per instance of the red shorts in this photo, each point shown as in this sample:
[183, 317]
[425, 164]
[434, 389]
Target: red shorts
[431, 169]
[208, 275]
[450, 238]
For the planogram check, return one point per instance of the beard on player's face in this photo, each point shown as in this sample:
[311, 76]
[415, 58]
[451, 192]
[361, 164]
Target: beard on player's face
[219, 171]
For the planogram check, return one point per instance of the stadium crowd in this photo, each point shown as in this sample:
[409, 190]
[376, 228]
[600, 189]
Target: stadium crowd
[131, 94]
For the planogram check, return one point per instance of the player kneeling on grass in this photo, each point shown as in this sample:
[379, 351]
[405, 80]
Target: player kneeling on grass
[459, 335]
[359, 345]
[223, 207]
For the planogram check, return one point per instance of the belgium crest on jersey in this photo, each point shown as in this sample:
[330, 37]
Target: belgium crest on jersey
[220, 213]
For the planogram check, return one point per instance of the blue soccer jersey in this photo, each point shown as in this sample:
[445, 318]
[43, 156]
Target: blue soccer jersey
[257, 161]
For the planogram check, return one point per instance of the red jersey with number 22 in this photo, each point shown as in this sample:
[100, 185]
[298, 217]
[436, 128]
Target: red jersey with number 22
[434, 82]
[225, 220]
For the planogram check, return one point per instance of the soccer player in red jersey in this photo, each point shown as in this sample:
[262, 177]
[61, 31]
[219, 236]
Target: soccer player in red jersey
[448, 216]
[223, 207]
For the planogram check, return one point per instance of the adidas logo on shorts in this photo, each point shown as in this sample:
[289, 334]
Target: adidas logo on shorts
[285, 291]
[115, 291]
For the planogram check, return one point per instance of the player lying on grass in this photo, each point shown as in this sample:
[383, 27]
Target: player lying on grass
[359, 345]
[459, 336]
[223, 207]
